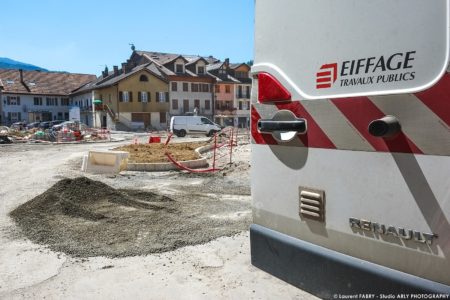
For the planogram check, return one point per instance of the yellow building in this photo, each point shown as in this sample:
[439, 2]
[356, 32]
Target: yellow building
[132, 98]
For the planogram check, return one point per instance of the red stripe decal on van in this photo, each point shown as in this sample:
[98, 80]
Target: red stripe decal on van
[360, 111]
[260, 138]
[437, 98]
[314, 137]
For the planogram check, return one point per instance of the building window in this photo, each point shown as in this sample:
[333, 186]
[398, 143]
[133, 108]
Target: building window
[247, 92]
[200, 70]
[66, 116]
[143, 78]
[174, 86]
[13, 100]
[227, 89]
[37, 100]
[162, 117]
[207, 104]
[175, 104]
[124, 96]
[51, 101]
[222, 72]
[143, 96]
[178, 68]
[60, 115]
[64, 101]
[194, 87]
[162, 96]
[217, 88]
[205, 87]
[197, 103]
[185, 87]
[240, 74]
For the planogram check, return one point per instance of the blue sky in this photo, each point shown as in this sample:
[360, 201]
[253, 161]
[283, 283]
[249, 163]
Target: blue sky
[83, 36]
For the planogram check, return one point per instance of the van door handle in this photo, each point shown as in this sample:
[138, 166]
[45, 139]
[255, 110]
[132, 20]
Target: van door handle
[269, 126]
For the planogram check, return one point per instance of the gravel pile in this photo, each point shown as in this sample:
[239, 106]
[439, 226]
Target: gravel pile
[83, 217]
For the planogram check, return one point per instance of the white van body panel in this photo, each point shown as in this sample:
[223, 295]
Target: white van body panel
[317, 33]
[400, 182]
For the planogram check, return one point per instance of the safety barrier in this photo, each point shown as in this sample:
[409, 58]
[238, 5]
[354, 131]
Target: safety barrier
[222, 151]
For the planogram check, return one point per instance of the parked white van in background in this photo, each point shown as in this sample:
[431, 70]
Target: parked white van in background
[182, 125]
[350, 130]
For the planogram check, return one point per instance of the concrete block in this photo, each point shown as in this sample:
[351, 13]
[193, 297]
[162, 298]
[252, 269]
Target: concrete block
[106, 162]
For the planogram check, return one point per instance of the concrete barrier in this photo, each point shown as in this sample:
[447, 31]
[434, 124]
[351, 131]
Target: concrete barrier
[109, 162]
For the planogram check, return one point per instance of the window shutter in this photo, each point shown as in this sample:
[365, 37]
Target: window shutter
[139, 97]
[8, 101]
[9, 117]
[18, 101]
[19, 116]
[157, 96]
[149, 96]
[120, 96]
[131, 96]
[167, 96]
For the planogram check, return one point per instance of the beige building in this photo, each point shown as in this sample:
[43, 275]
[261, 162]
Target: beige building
[132, 98]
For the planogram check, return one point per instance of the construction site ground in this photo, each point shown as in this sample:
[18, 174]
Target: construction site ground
[167, 235]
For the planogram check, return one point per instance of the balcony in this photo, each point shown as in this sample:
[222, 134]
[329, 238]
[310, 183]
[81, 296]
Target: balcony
[226, 110]
[243, 95]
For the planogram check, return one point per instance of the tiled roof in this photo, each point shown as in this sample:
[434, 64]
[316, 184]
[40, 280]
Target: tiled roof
[43, 83]
[111, 79]
[214, 66]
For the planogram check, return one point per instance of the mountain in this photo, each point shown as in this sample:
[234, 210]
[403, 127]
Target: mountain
[6, 63]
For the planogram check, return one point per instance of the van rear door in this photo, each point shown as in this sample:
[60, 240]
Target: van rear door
[351, 145]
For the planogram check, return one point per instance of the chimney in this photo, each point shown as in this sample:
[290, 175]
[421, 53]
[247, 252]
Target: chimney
[116, 70]
[227, 61]
[21, 75]
[124, 68]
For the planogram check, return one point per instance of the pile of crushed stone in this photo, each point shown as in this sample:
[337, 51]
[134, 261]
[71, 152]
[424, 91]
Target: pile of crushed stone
[82, 217]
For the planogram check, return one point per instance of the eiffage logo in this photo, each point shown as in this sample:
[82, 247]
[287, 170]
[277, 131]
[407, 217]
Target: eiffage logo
[326, 76]
[374, 70]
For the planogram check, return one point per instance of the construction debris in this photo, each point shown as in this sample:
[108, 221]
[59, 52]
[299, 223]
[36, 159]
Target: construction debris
[83, 218]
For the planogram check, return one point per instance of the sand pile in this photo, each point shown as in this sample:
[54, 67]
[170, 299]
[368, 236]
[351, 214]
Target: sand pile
[82, 217]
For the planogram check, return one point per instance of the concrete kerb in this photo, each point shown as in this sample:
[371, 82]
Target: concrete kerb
[202, 162]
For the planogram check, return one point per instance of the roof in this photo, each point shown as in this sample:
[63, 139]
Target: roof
[164, 58]
[235, 66]
[42, 83]
[112, 80]
[214, 66]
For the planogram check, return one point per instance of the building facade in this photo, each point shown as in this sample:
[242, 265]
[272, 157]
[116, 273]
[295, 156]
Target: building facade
[131, 98]
[190, 85]
[36, 96]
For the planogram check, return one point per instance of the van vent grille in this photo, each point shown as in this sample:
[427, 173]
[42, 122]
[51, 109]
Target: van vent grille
[312, 204]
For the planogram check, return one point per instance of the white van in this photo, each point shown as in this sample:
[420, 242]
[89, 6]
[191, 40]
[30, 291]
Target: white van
[182, 125]
[350, 134]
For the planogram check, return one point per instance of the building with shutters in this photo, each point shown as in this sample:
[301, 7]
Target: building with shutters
[190, 85]
[133, 97]
[232, 93]
[33, 96]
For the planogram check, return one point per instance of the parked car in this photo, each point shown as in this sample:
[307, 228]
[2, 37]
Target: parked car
[33, 125]
[71, 125]
[56, 122]
[182, 125]
[45, 125]
[19, 125]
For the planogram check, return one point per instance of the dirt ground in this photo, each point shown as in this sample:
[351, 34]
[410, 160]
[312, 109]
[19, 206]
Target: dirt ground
[152, 153]
[62, 240]
[82, 217]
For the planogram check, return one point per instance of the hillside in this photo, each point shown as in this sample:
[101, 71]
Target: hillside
[7, 63]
